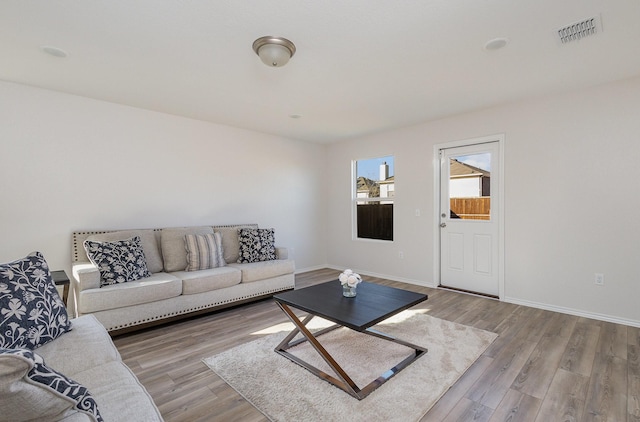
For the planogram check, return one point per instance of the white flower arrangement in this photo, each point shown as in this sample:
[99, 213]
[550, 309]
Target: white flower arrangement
[349, 278]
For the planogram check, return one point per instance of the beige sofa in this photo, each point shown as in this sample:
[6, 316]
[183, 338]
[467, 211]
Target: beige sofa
[171, 291]
[87, 355]
[56, 369]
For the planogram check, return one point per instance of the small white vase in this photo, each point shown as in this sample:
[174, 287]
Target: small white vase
[348, 291]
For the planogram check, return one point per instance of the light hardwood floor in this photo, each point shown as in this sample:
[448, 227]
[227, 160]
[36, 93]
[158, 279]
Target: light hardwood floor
[544, 366]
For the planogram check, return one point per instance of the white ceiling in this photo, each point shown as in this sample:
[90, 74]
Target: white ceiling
[362, 66]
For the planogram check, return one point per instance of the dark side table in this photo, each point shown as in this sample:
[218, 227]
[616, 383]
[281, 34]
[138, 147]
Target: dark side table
[60, 279]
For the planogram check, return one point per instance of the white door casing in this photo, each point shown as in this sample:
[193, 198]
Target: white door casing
[470, 251]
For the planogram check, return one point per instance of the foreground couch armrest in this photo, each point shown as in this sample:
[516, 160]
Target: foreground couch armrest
[86, 275]
[87, 355]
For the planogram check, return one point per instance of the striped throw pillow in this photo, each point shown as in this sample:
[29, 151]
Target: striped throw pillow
[204, 251]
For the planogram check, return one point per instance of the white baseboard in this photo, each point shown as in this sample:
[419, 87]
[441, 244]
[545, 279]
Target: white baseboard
[385, 276]
[515, 301]
[306, 270]
[570, 311]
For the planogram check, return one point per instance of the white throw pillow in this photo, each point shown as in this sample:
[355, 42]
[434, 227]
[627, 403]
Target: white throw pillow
[204, 251]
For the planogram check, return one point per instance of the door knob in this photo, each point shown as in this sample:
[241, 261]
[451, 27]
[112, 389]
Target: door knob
[443, 225]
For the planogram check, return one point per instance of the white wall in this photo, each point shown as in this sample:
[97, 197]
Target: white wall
[70, 163]
[559, 231]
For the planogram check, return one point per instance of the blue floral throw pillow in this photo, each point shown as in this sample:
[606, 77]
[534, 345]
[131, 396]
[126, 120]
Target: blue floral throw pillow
[33, 391]
[118, 261]
[256, 245]
[31, 311]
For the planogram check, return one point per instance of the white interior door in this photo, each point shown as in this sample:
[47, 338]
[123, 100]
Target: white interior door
[469, 217]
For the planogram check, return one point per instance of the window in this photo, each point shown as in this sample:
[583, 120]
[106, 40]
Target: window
[374, 192]
[470, 186]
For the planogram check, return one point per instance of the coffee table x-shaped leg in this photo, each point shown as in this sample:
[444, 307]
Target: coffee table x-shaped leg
[342, 379]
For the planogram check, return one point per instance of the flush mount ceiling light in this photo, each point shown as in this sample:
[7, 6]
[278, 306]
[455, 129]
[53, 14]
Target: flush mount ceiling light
[274, 51]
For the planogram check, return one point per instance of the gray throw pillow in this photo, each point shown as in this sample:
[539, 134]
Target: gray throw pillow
[204, 251]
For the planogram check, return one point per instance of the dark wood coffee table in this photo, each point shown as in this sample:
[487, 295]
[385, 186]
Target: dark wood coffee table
[372, 304]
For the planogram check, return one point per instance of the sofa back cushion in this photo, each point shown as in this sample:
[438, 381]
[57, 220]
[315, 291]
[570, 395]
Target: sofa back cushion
[174, 251]
[148, 241]
[230, 242]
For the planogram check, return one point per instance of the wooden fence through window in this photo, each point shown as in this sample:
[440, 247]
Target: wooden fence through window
[375, 221]
[471, 208]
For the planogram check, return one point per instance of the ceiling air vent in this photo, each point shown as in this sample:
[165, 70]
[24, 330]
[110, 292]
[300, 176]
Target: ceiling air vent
[577, 31]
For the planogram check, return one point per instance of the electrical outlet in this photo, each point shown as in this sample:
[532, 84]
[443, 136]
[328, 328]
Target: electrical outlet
[401, 255]
[599, 279]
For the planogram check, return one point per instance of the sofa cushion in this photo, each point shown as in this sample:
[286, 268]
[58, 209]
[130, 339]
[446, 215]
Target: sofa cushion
[256, 245]
[262, 270]
[173, 249]
[31, 390]
[230, 244]
[204, 251]
[157, 287]
[31, 311]
[207, 280]
[119, 393]
[89, 336]
[118, 261]
[148, 240]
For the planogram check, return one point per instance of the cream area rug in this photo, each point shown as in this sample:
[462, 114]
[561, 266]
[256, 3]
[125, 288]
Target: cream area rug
[284, 391]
